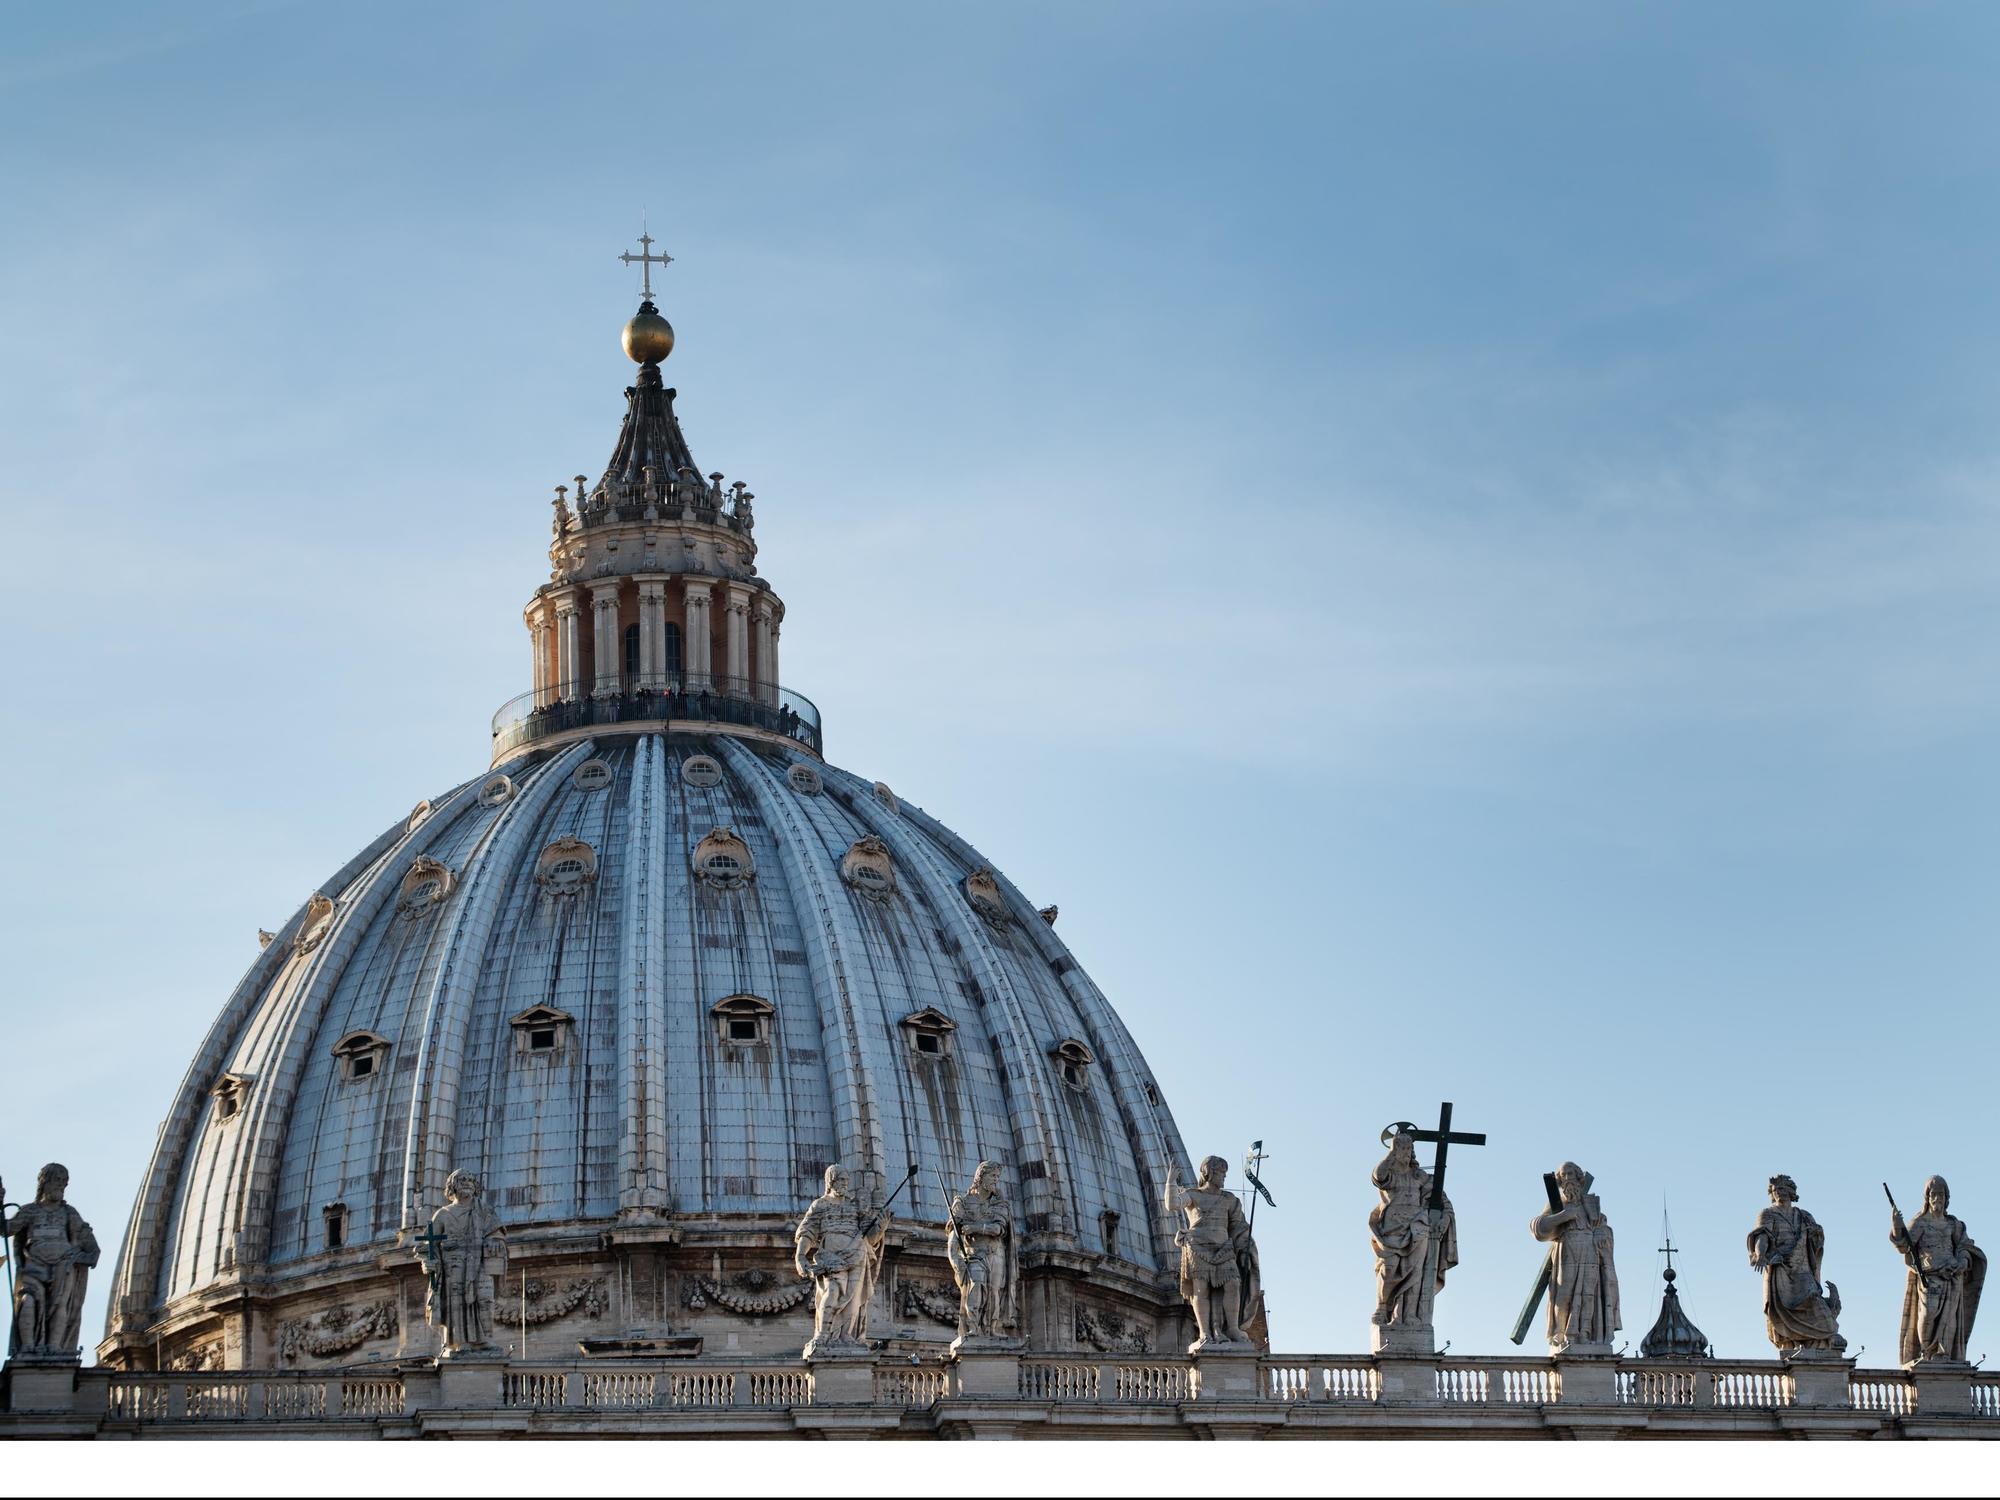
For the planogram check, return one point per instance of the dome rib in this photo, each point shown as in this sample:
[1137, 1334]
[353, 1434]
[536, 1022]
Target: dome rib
[432, 1144]
[643, 1166]
[1030, 1107]
[857, 1126]
[1152, 1137]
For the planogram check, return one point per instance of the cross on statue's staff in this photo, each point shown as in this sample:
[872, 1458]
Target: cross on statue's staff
[432, 1245]
[646, 260]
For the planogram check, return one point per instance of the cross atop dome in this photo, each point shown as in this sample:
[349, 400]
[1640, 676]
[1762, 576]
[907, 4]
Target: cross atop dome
[649, 338]
[647, 260]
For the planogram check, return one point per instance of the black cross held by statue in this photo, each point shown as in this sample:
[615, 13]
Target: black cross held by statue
[1446, 1138]
[432, 1245]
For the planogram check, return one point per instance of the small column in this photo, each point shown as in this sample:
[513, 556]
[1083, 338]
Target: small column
[569, 647]
[695, 645]
[767, 682]
[736, 660]
[604, 602]
[538, 646]
[771, 658]
[652, 635]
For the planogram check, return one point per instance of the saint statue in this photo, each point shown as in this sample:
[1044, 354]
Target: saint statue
[843, 1256]
[53, 1251]
[979, 1243]
[1583, 1283]
[1787, 1246]
[465, 1252]
[1219, 1275]
[1402, 1233]
[1947, 1274]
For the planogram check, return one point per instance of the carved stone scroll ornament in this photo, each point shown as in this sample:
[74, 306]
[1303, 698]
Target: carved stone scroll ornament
[982, 893]
[336, 1331]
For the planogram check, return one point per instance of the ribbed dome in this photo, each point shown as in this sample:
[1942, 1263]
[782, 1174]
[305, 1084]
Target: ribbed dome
[534, 965]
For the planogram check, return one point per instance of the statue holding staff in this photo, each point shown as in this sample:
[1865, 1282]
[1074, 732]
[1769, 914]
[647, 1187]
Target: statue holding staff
[1947, 1274]
[53, 1251]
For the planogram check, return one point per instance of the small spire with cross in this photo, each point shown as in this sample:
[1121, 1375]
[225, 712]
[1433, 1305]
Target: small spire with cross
[646, 260]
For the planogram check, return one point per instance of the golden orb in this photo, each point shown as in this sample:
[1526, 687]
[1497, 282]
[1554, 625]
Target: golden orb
[649, 338]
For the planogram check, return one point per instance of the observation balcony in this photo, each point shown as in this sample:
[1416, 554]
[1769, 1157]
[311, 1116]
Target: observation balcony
[723, 705]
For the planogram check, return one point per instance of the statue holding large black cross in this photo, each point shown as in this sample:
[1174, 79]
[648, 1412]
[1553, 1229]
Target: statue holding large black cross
[1414, 1233]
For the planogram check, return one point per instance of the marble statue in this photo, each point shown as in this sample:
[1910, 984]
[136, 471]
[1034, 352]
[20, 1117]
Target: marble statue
[1787, 1247]
[1401, 1230]
[1219, 1275]
[52, 1251]
[465, 1251]
[1583, 1282]
[979, 1243]
[842, 1254]
[1947, 1274]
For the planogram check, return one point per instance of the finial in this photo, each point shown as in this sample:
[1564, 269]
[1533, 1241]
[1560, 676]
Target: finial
[649, 338]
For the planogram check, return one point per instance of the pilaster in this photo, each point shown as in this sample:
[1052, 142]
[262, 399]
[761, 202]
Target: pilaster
[604, 605]
[697, 597]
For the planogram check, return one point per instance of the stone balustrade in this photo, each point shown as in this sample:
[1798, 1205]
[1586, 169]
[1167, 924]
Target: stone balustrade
[1169, 1393]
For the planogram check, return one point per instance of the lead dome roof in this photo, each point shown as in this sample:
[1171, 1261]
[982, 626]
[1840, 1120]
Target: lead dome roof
[644, 1112]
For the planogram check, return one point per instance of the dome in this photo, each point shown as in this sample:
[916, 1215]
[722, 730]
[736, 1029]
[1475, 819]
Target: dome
[647, 976]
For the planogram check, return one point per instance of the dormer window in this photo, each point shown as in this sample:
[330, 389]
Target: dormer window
[928, 1032]
[591, 776]
[425, 886]
[335, 1215]
[743, 1020]
[541, 1031]
[723, 860]
[805, 781]
[982, 892]
[495, 791]
[1073, 1060]
[229, 1093]
[701, 770]
[566, 867]
[868, 868]
[360, 1055]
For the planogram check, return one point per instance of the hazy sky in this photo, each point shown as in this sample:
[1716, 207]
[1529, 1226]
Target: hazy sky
[1459, 544]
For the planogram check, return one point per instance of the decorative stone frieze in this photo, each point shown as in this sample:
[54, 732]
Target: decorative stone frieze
[755, 1293]
[566, 867]
[317, 924]
[723, 860]
[868, 869]
[338, 1330]
[424, 887]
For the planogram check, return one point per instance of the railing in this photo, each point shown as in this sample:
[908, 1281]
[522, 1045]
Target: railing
[1766, 1387]
[1497, 1383]
[1659, 1387]
[685, 1388]
[1147, 1384]
[1046, 1381]
[723, 700]
[252, 1396]
[535, 1388]
[1882, 1390]
[1986, 1395]
[911, 1386]
[1319, 1378]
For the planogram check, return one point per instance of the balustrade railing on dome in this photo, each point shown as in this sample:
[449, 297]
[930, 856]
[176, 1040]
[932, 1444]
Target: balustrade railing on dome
[724, 700]
[1319, 1377]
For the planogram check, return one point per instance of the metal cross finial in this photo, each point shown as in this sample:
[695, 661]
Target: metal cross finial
[646, 260]
[1667, 1234]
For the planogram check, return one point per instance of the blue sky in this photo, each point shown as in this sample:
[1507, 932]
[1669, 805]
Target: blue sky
[1458, 543]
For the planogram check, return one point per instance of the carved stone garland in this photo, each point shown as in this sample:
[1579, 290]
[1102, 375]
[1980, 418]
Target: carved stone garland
[745, 1295]
[337, 1330]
